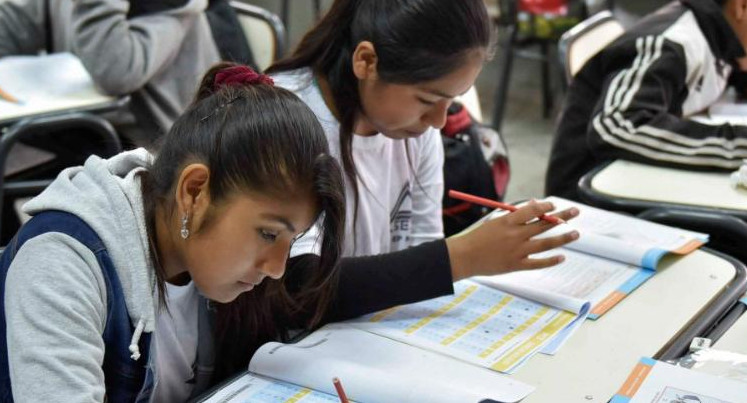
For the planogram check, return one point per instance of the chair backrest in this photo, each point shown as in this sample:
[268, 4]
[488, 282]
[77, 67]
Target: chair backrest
[102, 132]
[582, 42]
[264, 32]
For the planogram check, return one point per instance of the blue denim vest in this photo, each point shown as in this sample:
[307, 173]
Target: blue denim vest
[126, 380]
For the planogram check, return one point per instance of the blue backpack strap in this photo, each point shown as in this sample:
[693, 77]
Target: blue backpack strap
[124, 377]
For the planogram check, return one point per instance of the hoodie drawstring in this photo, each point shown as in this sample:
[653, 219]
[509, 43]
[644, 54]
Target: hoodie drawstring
[134, 349]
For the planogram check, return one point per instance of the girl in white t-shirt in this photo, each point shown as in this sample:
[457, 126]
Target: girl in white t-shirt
[380, 75]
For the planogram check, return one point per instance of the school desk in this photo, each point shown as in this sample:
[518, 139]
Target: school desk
[96, 105]
[634, 187]
[657, 320]
[733, 331]
[49, 85]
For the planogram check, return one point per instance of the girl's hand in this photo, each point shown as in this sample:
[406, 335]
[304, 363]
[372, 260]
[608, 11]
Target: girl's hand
[504, 244]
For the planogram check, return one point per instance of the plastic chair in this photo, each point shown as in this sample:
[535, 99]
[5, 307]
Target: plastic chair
[285, 11]
[523, 23]
[264, 32]
[585, 40]
[105, 137]
[728, 234]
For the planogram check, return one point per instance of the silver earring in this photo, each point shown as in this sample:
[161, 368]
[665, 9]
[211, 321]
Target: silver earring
[184, 232]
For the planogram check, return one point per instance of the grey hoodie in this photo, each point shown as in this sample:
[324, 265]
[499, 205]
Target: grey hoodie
[158, 58]
[55, 292]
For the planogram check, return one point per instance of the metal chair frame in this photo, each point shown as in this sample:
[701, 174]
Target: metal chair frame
[48, 125]
[275, 23]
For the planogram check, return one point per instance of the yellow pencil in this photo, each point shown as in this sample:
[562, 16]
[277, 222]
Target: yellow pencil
[10, 98]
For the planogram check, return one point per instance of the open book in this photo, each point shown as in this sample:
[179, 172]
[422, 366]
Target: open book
[615, 254]
[489, 326]
[371, 368]
[46, 83]
[446, 349]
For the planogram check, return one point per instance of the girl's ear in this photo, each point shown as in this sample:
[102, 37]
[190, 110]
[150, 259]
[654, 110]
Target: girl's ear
[365, 61]
[193, 195]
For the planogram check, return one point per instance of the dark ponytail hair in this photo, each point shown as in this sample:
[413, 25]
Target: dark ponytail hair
[255, 137]
[415, 41]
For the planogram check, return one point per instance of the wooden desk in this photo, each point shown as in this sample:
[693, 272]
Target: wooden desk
[658, 320]
[635, 187]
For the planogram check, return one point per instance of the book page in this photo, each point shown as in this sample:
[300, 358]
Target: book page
[376, 369]
[581, 276]
[659, 382]
[257, 389]
[45, 84]
[477, 324]
[624, 238]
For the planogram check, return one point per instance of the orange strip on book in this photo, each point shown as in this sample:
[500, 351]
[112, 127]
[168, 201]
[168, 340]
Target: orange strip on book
[689, 247]
[607, 303]
[635, 379]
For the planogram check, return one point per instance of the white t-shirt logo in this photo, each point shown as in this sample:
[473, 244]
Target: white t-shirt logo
[400, 219]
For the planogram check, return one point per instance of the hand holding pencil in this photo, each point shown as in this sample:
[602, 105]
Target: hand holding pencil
[498, 205]
[506, 243]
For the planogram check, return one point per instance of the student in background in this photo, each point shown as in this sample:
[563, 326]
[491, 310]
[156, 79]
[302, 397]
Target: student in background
[380, 76]
[153, 50]
[633, 100]
[105, 295]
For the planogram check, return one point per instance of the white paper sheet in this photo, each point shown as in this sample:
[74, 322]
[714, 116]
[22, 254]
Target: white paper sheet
[655, 381]
[46, 84]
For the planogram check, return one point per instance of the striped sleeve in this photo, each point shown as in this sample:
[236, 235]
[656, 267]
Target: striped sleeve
[640, 112]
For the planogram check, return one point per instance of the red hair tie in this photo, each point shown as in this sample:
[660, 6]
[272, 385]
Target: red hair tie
[240, 75]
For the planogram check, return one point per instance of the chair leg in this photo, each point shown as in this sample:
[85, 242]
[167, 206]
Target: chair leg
[285, 13]
[317, 9]
[546, 84]
[504, 74]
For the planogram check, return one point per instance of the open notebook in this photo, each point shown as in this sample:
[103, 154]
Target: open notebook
[615, 254]
[372, 369]
[446, 349]
[484, 325]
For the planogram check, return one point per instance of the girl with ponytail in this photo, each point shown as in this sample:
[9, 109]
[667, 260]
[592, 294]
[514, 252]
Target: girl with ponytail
[380, 76]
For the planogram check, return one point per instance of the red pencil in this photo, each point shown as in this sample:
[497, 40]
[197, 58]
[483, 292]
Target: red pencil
[10, 98]
[495, 204]
[340, 390]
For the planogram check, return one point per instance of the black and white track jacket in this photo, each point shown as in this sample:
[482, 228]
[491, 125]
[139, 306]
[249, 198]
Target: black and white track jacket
[633, 99]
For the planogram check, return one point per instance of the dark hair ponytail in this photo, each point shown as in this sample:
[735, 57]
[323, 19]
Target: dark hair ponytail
[254, 137]
[415, 41]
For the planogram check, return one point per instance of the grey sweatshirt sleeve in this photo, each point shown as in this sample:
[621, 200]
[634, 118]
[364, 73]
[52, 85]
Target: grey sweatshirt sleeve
[55, 307]
[123, 55]
[21, 27]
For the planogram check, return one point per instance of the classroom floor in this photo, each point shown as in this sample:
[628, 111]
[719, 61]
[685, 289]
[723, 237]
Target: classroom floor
[528, 134]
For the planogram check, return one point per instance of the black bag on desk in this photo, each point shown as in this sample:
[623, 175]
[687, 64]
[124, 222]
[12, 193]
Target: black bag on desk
[476, 162]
